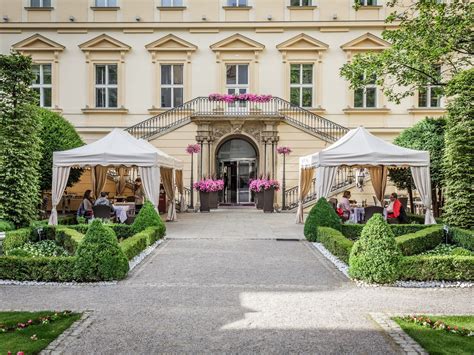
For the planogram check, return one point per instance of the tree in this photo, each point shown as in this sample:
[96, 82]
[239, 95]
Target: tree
[459, 152]
[56, 134]
[427, 134]
[20, 142]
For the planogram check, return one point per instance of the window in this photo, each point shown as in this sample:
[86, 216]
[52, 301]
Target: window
[237, 81]
[366, 97]
[172, 87]
[106, 85]
[40, 3]
[237, 3]
[42, 83]
[106, 3]
[366, 2]
[301, 85]
[301, 2]
[430, 95]
[172, 3]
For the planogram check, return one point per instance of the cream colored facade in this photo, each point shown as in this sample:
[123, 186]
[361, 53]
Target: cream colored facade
[205, 36]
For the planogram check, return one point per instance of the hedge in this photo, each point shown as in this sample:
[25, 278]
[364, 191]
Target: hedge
[136, 244]
[321, 215]
[423, 240]
[16, 239]
[67, 220]
[335, 242]
[353, 231]
[420, 218]
[147, 217]
[122, 231]
[69, 239]
[438, 267]
[6, 226]
[462, 237]
[37, 269]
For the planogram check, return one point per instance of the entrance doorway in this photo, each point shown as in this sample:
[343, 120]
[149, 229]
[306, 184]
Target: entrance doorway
[236, 165]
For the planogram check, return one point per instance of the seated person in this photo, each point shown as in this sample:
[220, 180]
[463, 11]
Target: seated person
[395, 209]
[344, 206]
[103, 200]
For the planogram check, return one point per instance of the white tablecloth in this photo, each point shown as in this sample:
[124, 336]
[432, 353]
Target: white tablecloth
[357, 215]
[121, 212]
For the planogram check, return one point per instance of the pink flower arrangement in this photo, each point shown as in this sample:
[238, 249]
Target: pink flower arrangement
[193, 148]
[240, 97]
[209, 185]
[284, 150]
[259, 185]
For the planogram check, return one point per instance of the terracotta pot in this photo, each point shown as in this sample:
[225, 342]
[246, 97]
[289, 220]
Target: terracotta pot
[268, 196]
[213, 200]
[259, 198]
[205, 200]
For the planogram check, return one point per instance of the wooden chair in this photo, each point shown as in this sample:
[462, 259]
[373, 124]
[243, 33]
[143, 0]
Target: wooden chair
[102, 211]
[371, 210]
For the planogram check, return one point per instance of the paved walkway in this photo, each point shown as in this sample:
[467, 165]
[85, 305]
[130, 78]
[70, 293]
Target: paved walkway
[223, 283]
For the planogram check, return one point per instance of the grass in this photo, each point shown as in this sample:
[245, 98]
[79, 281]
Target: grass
[440, 342]
[21, 340]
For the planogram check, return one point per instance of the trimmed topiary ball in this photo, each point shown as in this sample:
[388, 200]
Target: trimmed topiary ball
[147, 217]
[321, 215]
[99, 257]
[375, 257]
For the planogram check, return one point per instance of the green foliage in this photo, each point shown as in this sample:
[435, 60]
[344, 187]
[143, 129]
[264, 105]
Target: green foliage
[6, 226]
[99, 256]
[20, 142]
[375, 257]
[448, 268]
[69, 239]
[43, 248]
[353, 231]
[335, 242]
[321, 215]
[67, 220]
[448, 249]
[16, 239]
[423, 240]
[56, 134]
[147, 217]
[37, 269]
[122, 231]
[136, 244]
[459, 152]
[462, 237]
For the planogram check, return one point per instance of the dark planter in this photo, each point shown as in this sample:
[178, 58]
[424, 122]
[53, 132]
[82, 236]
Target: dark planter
[205, 200]
[213, 200]
[268, 200]
[259, 198]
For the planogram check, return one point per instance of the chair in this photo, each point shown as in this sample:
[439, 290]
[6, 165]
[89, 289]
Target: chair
[333, 202]
[102, 211]
[403, 201]
[130, 199]
[371, 210]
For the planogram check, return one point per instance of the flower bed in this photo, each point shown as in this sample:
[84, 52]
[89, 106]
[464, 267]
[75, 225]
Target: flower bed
[259, 185]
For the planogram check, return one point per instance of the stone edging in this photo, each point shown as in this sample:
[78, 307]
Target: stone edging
[60, 344]
[408, 345]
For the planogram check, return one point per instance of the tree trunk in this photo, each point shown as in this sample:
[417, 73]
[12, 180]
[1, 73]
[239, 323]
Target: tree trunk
[410, 197]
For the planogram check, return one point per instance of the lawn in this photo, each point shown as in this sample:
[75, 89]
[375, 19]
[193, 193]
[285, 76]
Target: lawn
[440, 341]
[35, 337]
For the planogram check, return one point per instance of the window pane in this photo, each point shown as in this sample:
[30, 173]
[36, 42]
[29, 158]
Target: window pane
[295, 74]
[47, 97]
[307, 97]
[165, 2]
[112, 3]
[112, 74]
[295, 96]
[100, 3]
[112, 97]
[243, 74]
[231, 91]
[359, 98]
[178, 74]
[371, 97]
[100, 97]
[166, 97]
[47, 3]
[232, 2]
[231, 74]
[422, 98]
[371, 2]
[295, 3]
[242, 2]
[435, 97]
[46, 73]
[178, 96]
[307, 74]
[100, 74]
[306, 3]
[242, 91]
[178, 3]
[35, 3]
[36, 71]
[166, 74]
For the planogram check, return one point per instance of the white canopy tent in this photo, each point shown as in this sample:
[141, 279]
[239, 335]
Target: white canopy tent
[116, 149]
[360, 148]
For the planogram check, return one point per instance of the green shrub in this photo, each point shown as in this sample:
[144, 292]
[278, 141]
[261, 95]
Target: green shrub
[147, 217]
[353, 231]
[37, 269]
[122, 231]
[423, 240]
[448, 268]
[68, 220]
[6, 226]
[81, 228]
[20, 252]
[321, 215]
[15, 239]
[462, 237]
[420, 218]
[136, 244]
[44, 248]
[461, 252]
[99, 256]
[335, 242]
[375, 257]
[69, 239]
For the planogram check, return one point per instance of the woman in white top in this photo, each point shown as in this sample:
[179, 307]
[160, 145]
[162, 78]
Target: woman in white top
[345, 205]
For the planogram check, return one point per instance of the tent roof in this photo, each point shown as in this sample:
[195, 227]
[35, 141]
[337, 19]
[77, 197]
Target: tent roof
[172, 161]
[116, 148]
[360, 147]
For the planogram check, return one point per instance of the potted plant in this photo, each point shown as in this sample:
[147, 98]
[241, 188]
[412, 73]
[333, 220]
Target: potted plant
[205, 187]
[218, 185]
[257, 187]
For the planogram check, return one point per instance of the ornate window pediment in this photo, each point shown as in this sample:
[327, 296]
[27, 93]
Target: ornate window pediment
[170, 43]
[237, 43]
[366, 42]
[302, 42]
[36, 43]
[104, 43]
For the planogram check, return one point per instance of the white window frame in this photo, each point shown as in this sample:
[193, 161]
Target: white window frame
[106, 86]
[364, 3]
[237, 3]
[173, 3]
[300, 3]
[364, 94]
[237, 86]
[429, 92]
[41, 4]
[41, 86]
[107, 3]
[300, 85]
[171, 86]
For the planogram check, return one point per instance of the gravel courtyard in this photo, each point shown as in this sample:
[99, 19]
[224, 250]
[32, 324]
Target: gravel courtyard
[235, 281]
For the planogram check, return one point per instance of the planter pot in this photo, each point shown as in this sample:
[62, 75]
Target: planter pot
[268, 196]
[213, 200]
[259, 198]
[205, 200]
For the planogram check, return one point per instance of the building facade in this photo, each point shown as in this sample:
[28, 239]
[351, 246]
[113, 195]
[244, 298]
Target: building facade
[150, 65]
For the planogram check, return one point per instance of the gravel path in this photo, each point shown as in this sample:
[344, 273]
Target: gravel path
[208, 290]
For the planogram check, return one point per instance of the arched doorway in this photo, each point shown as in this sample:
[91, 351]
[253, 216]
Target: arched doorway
[236, 160]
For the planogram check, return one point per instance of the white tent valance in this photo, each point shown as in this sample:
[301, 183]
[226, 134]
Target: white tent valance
[362, 149]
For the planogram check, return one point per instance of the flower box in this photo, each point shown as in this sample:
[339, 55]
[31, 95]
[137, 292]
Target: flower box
[213, 200]
[268, 197]
[205, 201]
[259, 198]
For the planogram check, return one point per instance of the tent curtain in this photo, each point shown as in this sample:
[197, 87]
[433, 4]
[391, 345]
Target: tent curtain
[306, 179]
[99, 178]
[168, 184]
[325, 176]
[180, 186]
[378, 176]
[151, 183]
[60, 177]
[122, 182]
[421, 177]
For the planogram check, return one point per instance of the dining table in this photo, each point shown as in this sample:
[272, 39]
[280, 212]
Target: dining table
[122, 212]
[357, 215]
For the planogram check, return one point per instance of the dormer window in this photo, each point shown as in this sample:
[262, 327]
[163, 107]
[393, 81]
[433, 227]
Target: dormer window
[106, 3]
[40, 3]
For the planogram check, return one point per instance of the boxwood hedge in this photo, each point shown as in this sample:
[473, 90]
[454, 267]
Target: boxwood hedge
[423, 240]
[321, 215]
[437, 267]
[335, 242]
[462, 237]
[37, 269]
